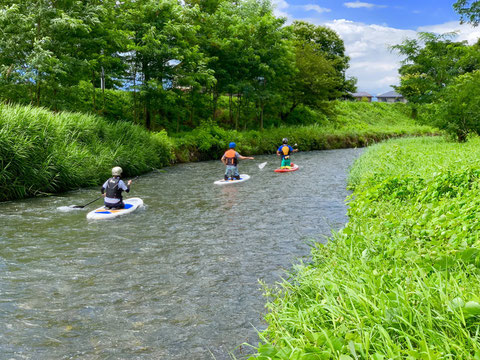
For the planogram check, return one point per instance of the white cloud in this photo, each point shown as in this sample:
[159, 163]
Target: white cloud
[280, 7]
[359, 4]
[368, 45]
[371, 60]
[316, 8]
[465, 31]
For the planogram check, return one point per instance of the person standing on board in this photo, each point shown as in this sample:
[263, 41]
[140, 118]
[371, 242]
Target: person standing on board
[230, 159]
[285, 150]
[112, 190]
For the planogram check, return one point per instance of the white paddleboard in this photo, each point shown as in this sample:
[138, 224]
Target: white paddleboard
[243, 177]
[101, 213]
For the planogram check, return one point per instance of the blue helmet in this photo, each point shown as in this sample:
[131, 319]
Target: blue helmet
[232, 145]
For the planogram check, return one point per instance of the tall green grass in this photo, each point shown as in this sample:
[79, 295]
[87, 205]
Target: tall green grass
[402, 279]
[42, 152]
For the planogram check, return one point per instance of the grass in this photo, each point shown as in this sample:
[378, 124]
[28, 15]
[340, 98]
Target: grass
[401, 280]
[42, 152]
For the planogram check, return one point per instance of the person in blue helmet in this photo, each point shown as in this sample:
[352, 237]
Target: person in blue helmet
[285, 150]
[230, 159]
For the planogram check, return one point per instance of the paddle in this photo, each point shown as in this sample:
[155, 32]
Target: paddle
[262, 165]
[82, 206]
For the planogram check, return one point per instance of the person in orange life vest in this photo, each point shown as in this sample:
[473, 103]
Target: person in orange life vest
[285, 150]
[112, 190]
[230, 159]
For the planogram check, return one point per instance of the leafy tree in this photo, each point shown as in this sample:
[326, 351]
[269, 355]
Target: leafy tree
[468, 10]
[49, 45]
[164, 50]
[431, 63]
[320, 68]
[249, 52]
[458, 108]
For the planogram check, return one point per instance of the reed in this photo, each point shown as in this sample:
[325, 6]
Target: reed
[401, 280]
[42, 152]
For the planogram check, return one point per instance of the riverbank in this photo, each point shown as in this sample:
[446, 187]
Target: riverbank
[43, 152]
[401, 280]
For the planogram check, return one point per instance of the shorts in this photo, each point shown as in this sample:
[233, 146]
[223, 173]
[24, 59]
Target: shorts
[232, 171]
[285, 162]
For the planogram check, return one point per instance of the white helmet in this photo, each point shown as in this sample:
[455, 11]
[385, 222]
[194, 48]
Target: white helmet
[117, 171]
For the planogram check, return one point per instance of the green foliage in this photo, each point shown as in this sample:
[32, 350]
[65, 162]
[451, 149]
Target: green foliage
[458, 110]
[468, 10]
[42, 153]
[357, 124]
[165, 64]
[431, 63]
[401, 280]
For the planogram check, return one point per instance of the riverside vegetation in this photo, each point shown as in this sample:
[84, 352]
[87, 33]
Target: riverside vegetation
[43, 152]
[402, 279]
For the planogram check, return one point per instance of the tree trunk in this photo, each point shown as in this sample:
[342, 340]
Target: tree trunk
[215, 100]
[94, 98]
[148, 120]
[38, 93]
[237, 115]
[230, 105]
[262, 106]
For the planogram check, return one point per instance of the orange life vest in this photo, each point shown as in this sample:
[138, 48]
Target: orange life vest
[230, 157]
[286, 151]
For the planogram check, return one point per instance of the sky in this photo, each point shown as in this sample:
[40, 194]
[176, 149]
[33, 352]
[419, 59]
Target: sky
[369, 28]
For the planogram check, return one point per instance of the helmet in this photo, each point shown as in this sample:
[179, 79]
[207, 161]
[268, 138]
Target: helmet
[232, 145]
[117, 171]
[284, 141]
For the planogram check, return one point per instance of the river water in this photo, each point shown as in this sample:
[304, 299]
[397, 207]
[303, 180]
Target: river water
[178, 279]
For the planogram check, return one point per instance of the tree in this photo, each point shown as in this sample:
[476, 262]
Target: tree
[164, 50]
[320, 68]
[468, 10]
[248, 49]
[458, 108]
[48, 46]
[431, 63]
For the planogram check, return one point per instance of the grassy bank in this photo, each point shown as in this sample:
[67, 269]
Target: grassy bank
[42, 152]
[356, 125]
[402, 280]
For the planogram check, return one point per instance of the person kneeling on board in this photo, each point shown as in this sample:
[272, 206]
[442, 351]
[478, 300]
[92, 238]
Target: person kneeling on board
[113, 188]
[285, 150]
[230, 159]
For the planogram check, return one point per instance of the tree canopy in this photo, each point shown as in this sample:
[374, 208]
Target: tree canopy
[168, 64]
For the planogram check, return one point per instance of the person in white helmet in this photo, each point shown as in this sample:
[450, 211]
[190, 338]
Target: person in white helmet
[112, 190]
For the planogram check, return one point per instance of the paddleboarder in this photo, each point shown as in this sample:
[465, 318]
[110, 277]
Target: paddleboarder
[112, 190]
[284, 151]
[230, 159]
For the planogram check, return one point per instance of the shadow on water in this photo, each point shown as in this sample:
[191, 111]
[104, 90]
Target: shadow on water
[175, 280]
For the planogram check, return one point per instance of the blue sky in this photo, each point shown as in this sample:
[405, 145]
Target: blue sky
[368, 28]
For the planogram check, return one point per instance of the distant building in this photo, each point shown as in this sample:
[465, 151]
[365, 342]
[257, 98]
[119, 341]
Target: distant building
[362, 96]
[391, 97]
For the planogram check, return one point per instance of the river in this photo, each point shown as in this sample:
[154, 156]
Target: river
[178, 279]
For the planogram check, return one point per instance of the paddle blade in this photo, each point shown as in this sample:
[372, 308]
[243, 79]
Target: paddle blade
[262, 165]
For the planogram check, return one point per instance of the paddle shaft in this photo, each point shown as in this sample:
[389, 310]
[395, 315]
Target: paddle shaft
[82, 206]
